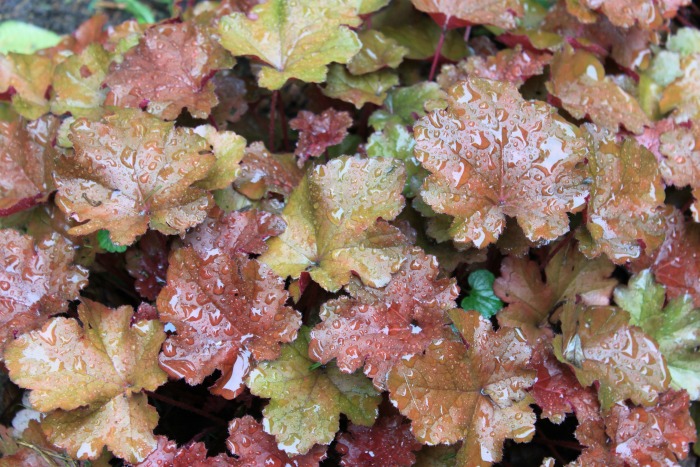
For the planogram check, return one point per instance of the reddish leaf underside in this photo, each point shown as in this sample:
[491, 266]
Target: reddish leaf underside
[388, 442]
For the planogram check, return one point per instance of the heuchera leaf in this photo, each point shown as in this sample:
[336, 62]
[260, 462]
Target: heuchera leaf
[191, 455]
[675, 263]
[625, 210]
[378, 51]
[95, 375]
[513, 65]
[396, 142]
[333, 228]
[26, 161]
[225, 310]
[77, 83]
[253, 447]
[294, 39]
[229, 149]
[263, 173]
[493, 154]
[600, 345]
[170, 69]
[37, 280]
[404, 105]
[297, 389]
[319, 131]
[376, 328]
[473, 392]
[130, 170]
[359, 90]
[29, 76]
[578, 80]
[481, 297]
[682, 95]
[675, 327]
[106, 243]
[658, 435]
[388, 442]
[148, 264]
[680, 161]
[570, 277]
[625, 13]
[455, 13]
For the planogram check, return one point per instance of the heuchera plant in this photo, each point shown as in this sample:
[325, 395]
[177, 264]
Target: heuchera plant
[354, 232]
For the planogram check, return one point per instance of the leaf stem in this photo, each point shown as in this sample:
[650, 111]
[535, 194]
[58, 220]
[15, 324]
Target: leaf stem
[438, 49]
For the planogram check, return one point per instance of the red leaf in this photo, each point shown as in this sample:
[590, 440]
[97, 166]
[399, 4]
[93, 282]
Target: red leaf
[318, 132]
[148, 263]
[388, 442]
[254, 447]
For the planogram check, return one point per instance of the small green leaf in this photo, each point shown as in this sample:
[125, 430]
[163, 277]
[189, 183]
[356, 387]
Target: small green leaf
[107, 244]
[24, 38]
[481, 297]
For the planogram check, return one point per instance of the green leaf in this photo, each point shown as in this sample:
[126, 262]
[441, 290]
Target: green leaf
[24, 38]
[686, 41]
[404, 105]
[378, 51]
[397, 142]
[294, 39]
[306, 402]
[481, 297]
[675, 327]
[105, 242]
[359, 90]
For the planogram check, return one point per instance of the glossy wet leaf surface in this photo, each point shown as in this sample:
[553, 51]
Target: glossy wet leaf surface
[333, 227]
[295, 388]
[492, 154]
[94, 374]
[376, 328]
[472, 393]
[388, 442]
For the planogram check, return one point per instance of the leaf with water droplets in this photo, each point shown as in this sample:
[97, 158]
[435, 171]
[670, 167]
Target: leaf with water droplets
[388, 442]
[600, 345]
[318, 132]
[682, 96]
[37, 279]
[77, 83]
[359, 90]
[147, 263]
[190, 455]
[254, 447]
[378, 51]
[333, 226]
[226, 309]
[679, 161]
[513, 65]
[169, 70]
[237, 233]
[26, 161]
[578, 80]
[130, 170]
[473, 392]
[306, 401]
[404, 105]
[649, 14]
[493, 154]
[396, 142]
[455, 13]
[569, 277]
[658, 435]
[675, 327]
[294, 39]
[228, 148]
[30, 77]
[376, 328]
[625, 210]
[264, 174]
[676, 263]
[92, 378]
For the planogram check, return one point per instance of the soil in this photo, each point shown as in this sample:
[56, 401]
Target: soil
[64, 16]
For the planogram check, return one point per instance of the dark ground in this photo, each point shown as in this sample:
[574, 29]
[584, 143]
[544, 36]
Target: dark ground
[64, 16]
